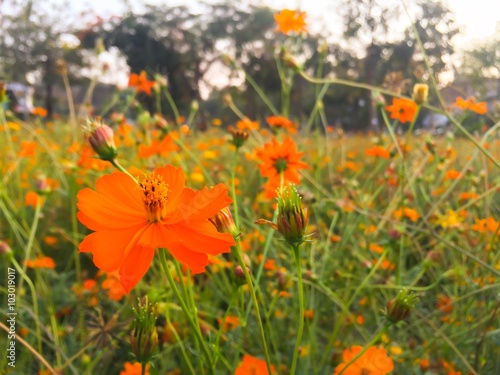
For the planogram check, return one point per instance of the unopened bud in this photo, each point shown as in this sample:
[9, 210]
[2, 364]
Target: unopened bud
[290, 60]
[399, 308]
[42, 185]
[239, 275]
[143, 335]
[420, 93]
[239, 136]
[4, 248]
[195, 106]
[102, 141]
[61, 67]
[292, 217]
[227, 99]
[224, 222]
[99, 46]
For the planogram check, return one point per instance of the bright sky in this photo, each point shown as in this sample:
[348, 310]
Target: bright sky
[478, 18]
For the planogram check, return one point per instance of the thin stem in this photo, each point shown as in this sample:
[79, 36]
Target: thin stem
[239, 257]
[300, 287]
[185, 310]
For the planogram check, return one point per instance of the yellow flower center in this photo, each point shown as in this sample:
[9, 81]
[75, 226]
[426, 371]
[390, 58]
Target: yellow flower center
[155, 197]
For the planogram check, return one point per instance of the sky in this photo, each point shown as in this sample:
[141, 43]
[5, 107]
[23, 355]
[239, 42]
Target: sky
[477, 18]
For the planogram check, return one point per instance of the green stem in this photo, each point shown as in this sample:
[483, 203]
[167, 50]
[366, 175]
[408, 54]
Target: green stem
[24, 276]
[31, 239]
[185, 310]
[239, 257]
[300, 331]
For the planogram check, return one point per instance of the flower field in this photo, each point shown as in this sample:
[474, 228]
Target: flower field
[136, 243]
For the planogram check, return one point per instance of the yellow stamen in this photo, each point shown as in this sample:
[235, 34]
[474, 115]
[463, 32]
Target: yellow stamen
[155, 197]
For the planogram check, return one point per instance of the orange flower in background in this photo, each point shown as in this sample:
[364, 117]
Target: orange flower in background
[290, 21]
[378, 151]
[27, 149]
[131, 219]
[280, 159]
[41, 262]
[134, 369]
[230, 323]
[283, 123]
[444, 303]
[480, 108]
[140, 82]
[374, 362]
[452, 174]
[39, 111]
[247, 124]
[252, 366]
[163, 148]
[113, 286]
[403, 110]
[32, 199]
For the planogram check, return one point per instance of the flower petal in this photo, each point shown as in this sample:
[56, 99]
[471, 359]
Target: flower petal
[107, 213]
[196, 262]
[108, 247]
[158, 235]
[200, 205]
[203, 237]
[135, 266]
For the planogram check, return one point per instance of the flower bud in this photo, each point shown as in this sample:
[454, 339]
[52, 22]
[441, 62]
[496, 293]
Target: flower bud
[61, 67]
[239, 137]
[290, 60]
[399, 308]
[42, 185]
[99, 46]
[227, 99]
[292, 217]
[224, 222]
[143, 335]
[195, 106]
[420, 93]
[2, 92]
[239, 275]
[4, 248]
[102, 142]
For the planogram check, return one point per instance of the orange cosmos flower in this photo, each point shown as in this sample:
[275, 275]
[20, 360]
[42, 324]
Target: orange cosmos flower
[134, 369]
[140, 82]
[252, 366]
[374, 362]
[280, 159]
[282, 122]
[480, 108]
[32, 199]
[39, 111]
[131, 219]
[27, 149]
[402, 109]
[163, 148]
[290, 21]
[113, 286]
[378, 151]
[41, 262]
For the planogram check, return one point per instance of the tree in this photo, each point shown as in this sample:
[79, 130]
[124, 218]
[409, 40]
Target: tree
[32, 42]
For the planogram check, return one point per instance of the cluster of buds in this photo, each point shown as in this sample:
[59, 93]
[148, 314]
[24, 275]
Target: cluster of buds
[143, 334]
[101, 139]
[399, 308]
